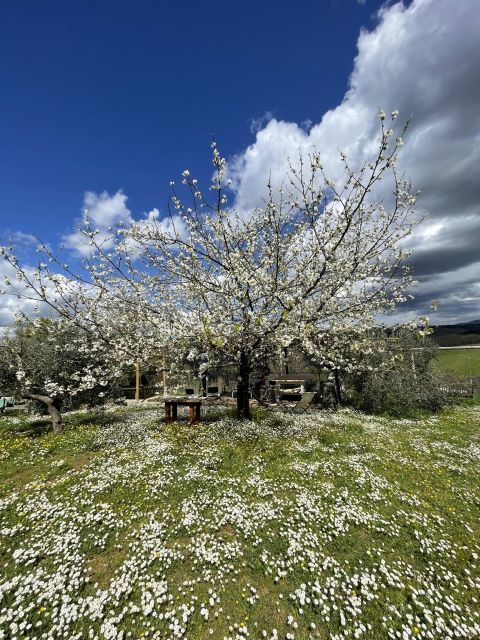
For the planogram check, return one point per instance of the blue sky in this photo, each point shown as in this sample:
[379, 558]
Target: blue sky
[108, 95]
[105, 102]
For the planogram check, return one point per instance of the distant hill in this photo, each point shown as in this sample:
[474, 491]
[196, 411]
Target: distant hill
[453, 335]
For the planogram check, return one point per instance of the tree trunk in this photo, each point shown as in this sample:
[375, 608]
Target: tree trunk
[285, 355]
[338, 388]
[56, 416]
[243, 400]
[53, 408]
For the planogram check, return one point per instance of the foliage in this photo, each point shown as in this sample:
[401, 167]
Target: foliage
[398, 378]
[8, 379]
[458, 339]
[56, 364]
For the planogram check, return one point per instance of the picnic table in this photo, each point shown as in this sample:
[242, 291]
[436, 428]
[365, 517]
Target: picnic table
[193, 404]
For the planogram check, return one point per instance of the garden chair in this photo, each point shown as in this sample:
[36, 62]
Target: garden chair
[304, 404]
[6, 401]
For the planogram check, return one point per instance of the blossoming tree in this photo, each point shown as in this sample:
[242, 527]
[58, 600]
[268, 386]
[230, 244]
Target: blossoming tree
[315, 259]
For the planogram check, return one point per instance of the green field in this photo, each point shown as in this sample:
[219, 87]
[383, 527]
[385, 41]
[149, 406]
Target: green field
[331, 525]
[462, 362]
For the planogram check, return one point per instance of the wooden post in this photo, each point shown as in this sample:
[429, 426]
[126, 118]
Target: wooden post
[137, 380]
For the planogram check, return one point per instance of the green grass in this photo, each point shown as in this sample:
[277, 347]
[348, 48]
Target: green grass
[461, 362]
[347, 523]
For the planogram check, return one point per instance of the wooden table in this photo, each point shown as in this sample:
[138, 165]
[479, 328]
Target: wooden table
[193, 405]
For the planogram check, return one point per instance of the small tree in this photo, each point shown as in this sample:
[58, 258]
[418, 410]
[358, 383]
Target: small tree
[56, 364]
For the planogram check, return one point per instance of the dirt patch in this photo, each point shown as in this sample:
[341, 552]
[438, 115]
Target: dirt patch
[23, 477]
[80, 461]
[227, 531]
[101, 567]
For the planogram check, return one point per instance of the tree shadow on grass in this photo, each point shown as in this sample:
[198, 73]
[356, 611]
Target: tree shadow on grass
[36, 427]
[31, 428]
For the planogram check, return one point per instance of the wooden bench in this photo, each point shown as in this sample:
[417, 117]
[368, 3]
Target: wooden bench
[193, 404]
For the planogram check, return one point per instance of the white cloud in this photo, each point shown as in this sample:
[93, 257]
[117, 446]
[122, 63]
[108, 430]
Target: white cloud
[26, 239]
[423, 60]
[16, 301]
[168, 224]
[104, 211]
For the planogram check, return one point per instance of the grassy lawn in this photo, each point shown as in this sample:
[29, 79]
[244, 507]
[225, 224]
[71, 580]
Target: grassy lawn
[462, 362]
[333, 525]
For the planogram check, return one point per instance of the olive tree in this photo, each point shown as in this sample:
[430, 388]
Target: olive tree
[56, 364]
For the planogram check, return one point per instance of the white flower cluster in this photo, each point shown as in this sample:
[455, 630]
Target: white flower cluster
[155, 539]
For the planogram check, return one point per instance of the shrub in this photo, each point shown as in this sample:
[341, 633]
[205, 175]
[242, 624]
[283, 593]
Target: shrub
[401, 381]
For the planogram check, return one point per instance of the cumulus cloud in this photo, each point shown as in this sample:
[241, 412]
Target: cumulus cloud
[423, 60]
[104, 211]
[170, 224]
[17, 300]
